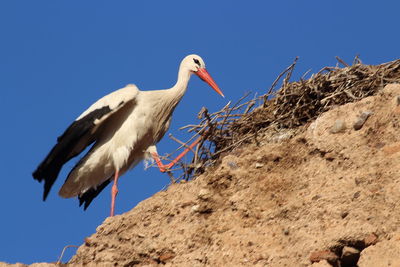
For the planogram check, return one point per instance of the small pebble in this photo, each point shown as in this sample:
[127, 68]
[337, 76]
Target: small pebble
[195, 208]
[338, 126]
[316, 197]
[88, 242]
[329, 156]
[204, 194]
[232, 165]
[286, 232]
[327, 255]
[166, 256]
[371, 239]
[259, 165]
[361, 120]
[356, 195]
[348, 251]
[398, 100]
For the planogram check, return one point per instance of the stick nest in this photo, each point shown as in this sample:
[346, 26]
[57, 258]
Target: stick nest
[292, 105]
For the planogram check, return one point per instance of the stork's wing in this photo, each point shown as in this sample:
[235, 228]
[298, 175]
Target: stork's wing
[80, 134]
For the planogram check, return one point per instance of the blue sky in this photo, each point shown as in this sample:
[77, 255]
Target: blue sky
[58, 57]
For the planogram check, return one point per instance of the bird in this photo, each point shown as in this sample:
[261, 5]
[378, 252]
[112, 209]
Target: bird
[121, 129]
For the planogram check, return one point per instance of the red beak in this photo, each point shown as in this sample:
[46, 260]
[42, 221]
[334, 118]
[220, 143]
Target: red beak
[205, 76]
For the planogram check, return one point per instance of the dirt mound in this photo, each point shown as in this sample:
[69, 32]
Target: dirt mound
[310, 178]
[325, 194]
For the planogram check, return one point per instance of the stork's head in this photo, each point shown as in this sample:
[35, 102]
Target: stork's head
[195, 64]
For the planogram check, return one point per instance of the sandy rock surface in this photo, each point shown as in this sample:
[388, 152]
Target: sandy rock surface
[328, 196]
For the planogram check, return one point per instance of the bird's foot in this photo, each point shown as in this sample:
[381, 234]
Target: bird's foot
[161, 166]
[166, 168]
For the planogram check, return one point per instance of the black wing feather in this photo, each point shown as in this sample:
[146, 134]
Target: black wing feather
[87, 197]
[72, 142]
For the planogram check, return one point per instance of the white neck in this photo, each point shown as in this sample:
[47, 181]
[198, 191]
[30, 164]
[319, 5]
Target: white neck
[173, 95]
[181, 84]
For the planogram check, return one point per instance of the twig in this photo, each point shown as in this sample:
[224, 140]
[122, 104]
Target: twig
[357, 60]
[180, 142]
[63, 251]
[230, 110]
[305, 74]
[278, 78]
[342, 61]
[290, 71]
[248, 108]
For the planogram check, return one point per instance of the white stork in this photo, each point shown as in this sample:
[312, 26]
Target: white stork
[124, 128]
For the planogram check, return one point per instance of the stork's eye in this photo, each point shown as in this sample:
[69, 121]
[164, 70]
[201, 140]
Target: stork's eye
[196, 61]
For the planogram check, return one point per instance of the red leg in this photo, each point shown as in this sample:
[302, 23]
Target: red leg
[164, 168]
[114, 192]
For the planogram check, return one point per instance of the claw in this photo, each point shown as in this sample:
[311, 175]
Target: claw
[165, 168]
